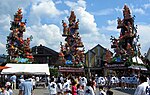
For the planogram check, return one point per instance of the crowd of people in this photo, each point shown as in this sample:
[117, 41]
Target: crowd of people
[98, 85]
[25, 84]
[77, 85]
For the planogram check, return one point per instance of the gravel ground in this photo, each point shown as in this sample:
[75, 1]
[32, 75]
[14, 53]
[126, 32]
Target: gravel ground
[44, 91]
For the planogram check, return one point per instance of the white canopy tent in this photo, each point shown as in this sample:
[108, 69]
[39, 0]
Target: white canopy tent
[27, 68]
[138, 67]
[136, 59]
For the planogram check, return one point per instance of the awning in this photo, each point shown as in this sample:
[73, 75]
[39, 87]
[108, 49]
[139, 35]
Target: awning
[26, 68]
[3, 67]
[138, 67]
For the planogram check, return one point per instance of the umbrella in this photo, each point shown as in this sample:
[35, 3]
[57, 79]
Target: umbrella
[3, 67]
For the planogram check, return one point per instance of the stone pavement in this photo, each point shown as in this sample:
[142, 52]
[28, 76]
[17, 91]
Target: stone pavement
[44, 91]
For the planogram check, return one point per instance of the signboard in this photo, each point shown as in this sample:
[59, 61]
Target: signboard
[70, 69]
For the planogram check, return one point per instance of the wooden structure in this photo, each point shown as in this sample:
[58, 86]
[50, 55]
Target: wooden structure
[45, 55]
[95, 60]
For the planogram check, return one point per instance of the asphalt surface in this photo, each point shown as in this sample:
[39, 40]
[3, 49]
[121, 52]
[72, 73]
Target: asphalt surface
[44, 91]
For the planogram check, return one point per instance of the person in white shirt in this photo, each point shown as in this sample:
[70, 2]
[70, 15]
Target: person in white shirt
[101, 91]
[33, 82]
[80, 90]
[88, 89]
[143, 88]
[59, 87]
[66, 86]
[83, 81]
[52, 87]
[61, 78]
[101, 81]
[10, 91]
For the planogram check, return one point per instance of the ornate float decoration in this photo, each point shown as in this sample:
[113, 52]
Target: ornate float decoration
[72, 52]
[126, 47]
[18, 48]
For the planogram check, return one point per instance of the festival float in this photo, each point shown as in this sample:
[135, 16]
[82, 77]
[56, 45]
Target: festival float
[127, 56]
[71, 54]
[18, 48]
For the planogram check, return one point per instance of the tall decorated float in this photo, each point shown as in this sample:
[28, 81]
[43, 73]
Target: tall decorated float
[20, 58]
[18, 47]
[71, 56]
[127, 55]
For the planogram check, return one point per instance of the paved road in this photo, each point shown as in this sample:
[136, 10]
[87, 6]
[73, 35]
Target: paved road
[41, 91]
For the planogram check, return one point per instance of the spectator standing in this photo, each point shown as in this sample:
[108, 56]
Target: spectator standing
[21, 79]
[26, 87]
[33, 82]
[80, 90]
[59, 87]
[13, 81]
[9, 89]
[94, 84]
[52, 87]
[143, 88]
[66, 87]
[61, 78]
[109, 92]
[88, 89]
[4, 91]
[74, 88]
[83, 82]
[101, 90]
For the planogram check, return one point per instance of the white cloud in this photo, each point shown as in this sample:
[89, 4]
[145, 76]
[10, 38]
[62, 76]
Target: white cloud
[91, 40]
[45, 7]
[74, 5]
[146, 6]
[112, 22]
[103, 12]
[4, 23]
[48, 35]
[2, 48]
[139, 10]
[143, 31]
[118, 9]
[111, 26]
[58, 2]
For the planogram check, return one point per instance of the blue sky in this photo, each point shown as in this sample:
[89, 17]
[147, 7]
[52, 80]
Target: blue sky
[97, 20]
